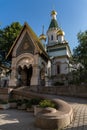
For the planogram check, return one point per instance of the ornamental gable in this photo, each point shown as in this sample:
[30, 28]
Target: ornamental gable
[26, 45]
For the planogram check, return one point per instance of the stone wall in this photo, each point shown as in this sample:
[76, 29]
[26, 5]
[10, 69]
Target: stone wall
[18, 94]
[77, 91]
[4, 93]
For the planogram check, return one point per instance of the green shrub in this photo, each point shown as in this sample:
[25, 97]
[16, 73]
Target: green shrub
[28, 104]
[35, 101]
[3, 102]
[25, 101]
[19, 102]
[58, 83]
[12, 100]
[47, 103]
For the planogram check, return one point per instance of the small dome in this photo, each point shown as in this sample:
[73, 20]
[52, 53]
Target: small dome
[42, 37]
[53, 12]
[60, 32]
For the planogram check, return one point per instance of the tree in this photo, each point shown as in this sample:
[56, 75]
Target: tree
[80, 55]
[8, 35]
[80, 52]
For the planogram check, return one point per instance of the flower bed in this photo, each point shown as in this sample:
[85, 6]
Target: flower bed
[44, 104]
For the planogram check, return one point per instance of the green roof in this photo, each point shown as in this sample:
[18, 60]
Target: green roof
[53, 24]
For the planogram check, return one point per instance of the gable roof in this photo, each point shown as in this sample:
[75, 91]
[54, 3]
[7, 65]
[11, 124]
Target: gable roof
[34, 38]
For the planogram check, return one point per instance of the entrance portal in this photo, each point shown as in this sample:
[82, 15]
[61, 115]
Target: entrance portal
[24, 75]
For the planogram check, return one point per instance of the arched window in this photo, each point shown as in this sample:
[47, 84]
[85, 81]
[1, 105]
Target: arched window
[57, 37]
[51, 37]
[58, 69]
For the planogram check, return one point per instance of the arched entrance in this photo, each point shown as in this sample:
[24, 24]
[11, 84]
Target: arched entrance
[24, 75]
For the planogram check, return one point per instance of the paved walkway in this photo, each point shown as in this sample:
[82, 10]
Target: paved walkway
[22, 120]
[80, 117]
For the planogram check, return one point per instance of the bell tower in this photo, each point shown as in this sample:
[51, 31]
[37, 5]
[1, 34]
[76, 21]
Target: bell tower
[57, 47]
[52, 30]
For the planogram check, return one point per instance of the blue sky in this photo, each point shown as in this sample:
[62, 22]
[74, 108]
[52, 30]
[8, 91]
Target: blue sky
[72, 15]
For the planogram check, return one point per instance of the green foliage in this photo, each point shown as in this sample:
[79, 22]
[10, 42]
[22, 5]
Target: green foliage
[58, 83]
[19, 102]
[35, 101]
[29, 104]
[25, 101]
[80, 56]
[8, 35]
[12, 100]
[3, 102]
[80, 52]
[47, 103]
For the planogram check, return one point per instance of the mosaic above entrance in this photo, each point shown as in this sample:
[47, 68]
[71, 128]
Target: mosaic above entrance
[26, 46]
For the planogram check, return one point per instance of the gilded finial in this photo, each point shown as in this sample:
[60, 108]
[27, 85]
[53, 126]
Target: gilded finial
[53, 6]
[42, 36]
[43, 29]
[53, 12]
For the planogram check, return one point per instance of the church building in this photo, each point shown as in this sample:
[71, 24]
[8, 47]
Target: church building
[36, 58]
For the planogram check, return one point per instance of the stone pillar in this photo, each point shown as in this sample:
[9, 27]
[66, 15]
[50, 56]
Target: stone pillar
[13, 80]
[35, 76]
[46, 80]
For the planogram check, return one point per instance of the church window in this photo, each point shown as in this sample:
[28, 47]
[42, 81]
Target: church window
[51, 37]
[58, 69]
[57, 37]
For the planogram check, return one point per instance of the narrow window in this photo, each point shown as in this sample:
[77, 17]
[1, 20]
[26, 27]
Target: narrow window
[48, 39]
[58, 69]
[57, 37]
[51, 37]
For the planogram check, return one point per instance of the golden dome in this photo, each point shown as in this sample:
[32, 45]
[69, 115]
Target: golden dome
[53, 12]
[42, 37]
[60, 32]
